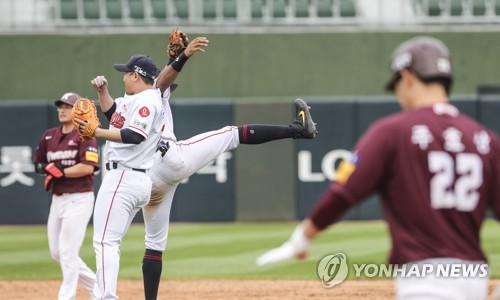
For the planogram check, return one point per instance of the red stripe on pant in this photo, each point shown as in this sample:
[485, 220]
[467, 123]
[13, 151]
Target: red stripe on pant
[185, 143]
[104, 233]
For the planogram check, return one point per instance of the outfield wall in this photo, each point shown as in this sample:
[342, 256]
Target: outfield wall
[237, 65]
[273, 181]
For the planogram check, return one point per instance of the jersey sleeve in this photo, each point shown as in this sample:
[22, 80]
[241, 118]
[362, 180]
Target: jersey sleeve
[89, 153]
[41, 151]
[363, 174]
[166, 94]
[143, 118]
[358, 177]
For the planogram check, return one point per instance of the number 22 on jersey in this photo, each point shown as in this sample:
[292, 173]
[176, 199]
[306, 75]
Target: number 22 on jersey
[449, 192]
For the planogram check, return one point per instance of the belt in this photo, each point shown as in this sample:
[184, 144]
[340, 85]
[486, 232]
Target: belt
[114, 165]
[163, 148]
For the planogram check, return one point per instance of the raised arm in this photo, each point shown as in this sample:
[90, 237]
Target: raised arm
[170, 72]
[100, 84]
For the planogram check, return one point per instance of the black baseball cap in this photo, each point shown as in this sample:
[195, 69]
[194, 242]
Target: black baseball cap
[425, 56]
[141, 64]
[68, 98]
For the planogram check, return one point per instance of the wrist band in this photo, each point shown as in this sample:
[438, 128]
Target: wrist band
[179, 62]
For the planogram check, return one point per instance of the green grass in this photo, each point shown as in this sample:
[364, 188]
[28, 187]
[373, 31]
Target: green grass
[216, 250]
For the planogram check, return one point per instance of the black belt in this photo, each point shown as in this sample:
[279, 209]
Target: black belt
[114, 165]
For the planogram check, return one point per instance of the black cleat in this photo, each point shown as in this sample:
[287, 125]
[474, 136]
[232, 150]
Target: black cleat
[303, 126]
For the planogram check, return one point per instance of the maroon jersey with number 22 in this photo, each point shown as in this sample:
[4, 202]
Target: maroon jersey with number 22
[437, 172]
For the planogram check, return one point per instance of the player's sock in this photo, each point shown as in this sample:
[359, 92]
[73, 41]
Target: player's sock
[151, 273]
[258, 134]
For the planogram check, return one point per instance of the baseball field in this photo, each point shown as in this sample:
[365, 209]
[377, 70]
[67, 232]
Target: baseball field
[217, 261]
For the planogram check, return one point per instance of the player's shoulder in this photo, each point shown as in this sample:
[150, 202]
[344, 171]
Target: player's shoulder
[150, 98]
[52, 131]
[399, 123]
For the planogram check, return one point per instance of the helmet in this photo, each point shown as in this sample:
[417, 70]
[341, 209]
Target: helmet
[68, 98]
[425, 56]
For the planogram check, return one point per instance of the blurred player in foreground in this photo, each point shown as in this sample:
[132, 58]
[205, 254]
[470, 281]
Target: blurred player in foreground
[436, 170]
[69, 164]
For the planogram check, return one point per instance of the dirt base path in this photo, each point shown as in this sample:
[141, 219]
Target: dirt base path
[217, 289]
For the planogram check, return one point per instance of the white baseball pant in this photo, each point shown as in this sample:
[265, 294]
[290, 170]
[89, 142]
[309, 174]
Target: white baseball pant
[182, 160]
[122, 193]
[67, 223]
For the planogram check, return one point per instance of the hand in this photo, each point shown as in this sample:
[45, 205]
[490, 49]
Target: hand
[40, 168]
[49, 182]
[100, 83]
[82, 126]
[296, 247]
[54, 170]
[196, 45]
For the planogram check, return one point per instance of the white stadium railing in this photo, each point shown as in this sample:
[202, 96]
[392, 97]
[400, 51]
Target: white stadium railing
[207, 15]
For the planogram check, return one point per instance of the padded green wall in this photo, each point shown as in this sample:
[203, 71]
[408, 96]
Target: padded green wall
[235, 65]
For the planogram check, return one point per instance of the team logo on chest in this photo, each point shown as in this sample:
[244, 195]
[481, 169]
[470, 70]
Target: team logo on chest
[144, 111]
[117, 120]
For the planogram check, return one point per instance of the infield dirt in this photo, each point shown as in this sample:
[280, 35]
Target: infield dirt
[217, 289]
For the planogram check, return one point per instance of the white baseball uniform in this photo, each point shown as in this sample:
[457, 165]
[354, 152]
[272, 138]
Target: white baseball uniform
[126, 187]
[182, 160]
[71, 207]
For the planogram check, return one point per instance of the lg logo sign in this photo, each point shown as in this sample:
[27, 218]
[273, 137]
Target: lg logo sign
[328, 164]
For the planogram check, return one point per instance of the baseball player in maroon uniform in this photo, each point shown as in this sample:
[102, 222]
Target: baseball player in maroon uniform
[69, 165]
[435, 169]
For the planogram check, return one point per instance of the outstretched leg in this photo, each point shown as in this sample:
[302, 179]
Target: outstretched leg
[302, 127]
[183, 159]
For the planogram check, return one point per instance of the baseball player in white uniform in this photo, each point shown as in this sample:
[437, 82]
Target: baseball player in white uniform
[177, 160]
[136, 124]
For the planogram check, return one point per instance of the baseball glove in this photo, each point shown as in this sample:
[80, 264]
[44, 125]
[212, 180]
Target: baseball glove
[177, 43]
[85, 110]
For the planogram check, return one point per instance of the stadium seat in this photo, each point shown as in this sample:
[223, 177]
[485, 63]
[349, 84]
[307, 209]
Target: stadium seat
[347, 8]
[91, 9]
[136, 9]
[182, 8]
[114, 9]
[325, 8]
[209, 9]
[302, 8]
[479, 7]
[279, 8]
[69, 9]
[229, 9]
[456, 8]
[434, 8]
[159, 9]
[257, 6]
